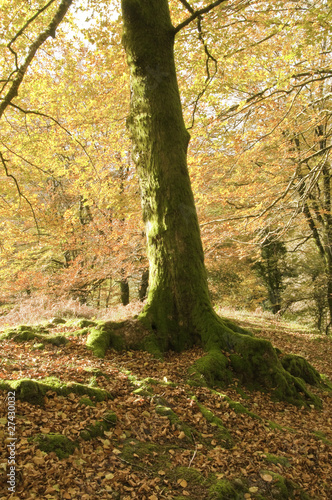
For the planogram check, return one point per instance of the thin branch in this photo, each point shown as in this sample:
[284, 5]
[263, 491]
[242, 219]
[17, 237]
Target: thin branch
[209, 77]
[44, 115]
[19, 33]
[50, 31]
[187, 6]
[197, 13]
[4, 161]
[26, 161]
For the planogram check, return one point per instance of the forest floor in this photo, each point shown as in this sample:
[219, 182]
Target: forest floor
[170, 440]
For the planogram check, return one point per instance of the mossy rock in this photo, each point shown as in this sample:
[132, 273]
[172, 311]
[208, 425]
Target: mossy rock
[78, 333]
[23, 328]
[37, 347]
[85, 323]
[96, 372]
[59, 444]
[58, 321]
[143, 391]
[93, 392]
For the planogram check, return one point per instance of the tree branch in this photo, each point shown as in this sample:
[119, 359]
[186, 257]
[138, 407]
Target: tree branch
[3, 161]
[196, 13]
[50, 31]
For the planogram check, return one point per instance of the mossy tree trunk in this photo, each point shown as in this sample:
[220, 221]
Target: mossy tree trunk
[178, 308]
[177, 285]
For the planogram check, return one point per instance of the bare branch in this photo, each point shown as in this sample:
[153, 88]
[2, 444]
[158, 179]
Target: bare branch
[50, 31]
[4, 161]
[197, 13]
[44, 115]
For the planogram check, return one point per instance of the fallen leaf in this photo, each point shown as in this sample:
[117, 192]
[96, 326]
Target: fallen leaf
[267, 477]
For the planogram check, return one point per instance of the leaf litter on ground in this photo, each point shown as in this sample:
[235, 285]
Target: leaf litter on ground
[162, 446]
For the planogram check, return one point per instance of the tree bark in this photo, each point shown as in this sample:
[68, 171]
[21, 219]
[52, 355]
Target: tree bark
[179, 312]
[178, 284]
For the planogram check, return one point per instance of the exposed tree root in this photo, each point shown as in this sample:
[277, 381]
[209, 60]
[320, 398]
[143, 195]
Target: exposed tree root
[232, 352]
[34, 391]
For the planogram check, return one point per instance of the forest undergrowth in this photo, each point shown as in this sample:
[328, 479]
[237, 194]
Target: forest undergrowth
[131, 426]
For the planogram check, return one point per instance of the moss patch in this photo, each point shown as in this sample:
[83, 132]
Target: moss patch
[139, 452]
[34, 391]
[100, 427]
[299, 367]
[59, 444]
[86, 402]
[175, 420]
[282, 488]
[212, 369]
[274, 459]
[37, 347]
[236, 406]
[226, 490]
[103, 337]
[25, 333]
[222, 434]
[321, 436]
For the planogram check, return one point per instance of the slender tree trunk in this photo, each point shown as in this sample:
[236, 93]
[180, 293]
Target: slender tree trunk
[143, 288]
[178, 310]
[124, 290]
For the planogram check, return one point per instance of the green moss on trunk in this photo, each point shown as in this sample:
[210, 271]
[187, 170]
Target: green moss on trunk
[178, 312]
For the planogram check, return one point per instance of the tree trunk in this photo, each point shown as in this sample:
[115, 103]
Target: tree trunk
[178, 310]
[143, 288]
[178, 285]
[124, 289]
